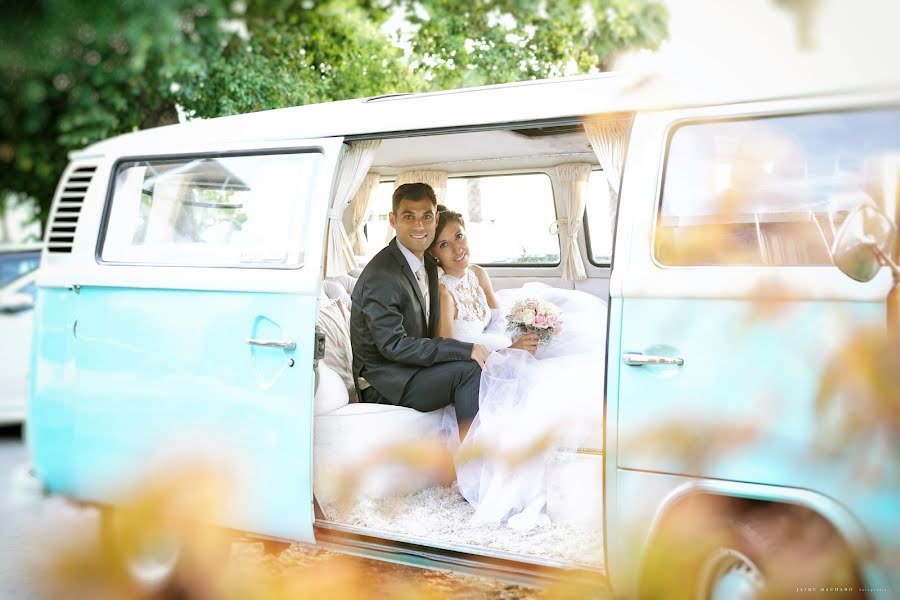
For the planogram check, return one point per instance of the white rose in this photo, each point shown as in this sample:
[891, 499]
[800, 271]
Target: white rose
[528, 316]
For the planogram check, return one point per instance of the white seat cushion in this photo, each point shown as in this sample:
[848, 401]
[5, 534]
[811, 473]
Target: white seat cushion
[354, 444]
[337, 291]
[346, 281]
[331, 393]
[575, 489]
[332, 322]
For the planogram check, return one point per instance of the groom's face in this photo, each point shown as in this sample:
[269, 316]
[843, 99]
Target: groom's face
[414, 222]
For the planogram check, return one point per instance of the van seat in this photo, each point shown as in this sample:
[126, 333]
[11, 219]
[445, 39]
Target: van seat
[345, 282]
[575, 488]
[354, 445]
[349, 438]
[331, 391]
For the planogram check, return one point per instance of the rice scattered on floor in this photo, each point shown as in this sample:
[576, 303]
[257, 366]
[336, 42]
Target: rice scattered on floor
[441, 514]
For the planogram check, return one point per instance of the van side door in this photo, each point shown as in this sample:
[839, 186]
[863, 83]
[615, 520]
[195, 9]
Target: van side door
[728, 314]
[194, 341]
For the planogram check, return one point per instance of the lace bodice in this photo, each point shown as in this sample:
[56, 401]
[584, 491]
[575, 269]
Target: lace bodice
[473, 315]
[471, 303]
[476, 322]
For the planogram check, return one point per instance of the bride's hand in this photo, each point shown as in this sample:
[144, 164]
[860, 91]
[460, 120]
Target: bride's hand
[528, 342]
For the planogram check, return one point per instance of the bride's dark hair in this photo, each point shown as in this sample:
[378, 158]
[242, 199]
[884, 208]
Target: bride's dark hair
[444, 218]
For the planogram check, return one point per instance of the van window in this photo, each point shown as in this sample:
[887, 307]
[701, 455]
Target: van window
[225, 211]
[770, 191]
[508, 217]
[598, 220]
[378, 227]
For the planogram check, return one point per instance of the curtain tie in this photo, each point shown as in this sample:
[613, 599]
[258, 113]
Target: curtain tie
[555, 225]
[560, 224]
[336, 213]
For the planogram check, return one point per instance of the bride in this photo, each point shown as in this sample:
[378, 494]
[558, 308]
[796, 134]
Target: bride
[533, 400]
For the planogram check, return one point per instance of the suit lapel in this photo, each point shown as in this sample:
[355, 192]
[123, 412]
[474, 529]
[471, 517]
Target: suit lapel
[404, 266]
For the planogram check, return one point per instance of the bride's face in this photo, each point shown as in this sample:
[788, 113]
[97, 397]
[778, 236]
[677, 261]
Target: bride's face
[451, 249]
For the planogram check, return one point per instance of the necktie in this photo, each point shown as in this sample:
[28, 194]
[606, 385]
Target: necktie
[422, 278]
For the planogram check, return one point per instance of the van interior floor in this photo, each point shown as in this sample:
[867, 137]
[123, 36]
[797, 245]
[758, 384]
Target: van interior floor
[441, 516]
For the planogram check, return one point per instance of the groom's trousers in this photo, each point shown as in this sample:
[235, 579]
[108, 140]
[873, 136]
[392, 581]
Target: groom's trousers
[455, 382]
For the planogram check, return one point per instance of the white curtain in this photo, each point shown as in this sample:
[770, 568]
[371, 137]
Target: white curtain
[573, 181]
[436, 179]
[359, 214]
[608, 137]
[352, 170]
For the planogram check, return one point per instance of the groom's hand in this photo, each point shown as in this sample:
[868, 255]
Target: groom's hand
[479, 354]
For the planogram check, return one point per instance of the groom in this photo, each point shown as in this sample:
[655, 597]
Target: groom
[394, 315]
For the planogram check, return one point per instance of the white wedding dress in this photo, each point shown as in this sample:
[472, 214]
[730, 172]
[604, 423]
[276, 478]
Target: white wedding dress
[529, 406]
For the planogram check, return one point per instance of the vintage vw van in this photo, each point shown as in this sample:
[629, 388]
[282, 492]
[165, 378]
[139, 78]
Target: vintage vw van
[189, 271]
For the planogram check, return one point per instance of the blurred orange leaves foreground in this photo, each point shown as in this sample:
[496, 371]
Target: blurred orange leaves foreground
[170, 515]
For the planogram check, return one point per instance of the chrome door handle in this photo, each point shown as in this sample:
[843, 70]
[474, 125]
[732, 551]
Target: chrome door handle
[636, 359]
[283, 344]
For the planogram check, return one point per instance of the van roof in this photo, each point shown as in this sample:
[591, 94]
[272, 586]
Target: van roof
[534, 100]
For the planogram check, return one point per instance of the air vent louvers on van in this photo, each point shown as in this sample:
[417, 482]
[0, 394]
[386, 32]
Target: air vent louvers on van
[65, 218]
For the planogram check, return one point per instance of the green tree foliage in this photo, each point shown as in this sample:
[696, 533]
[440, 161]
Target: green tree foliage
[76, 71]
[476, 43]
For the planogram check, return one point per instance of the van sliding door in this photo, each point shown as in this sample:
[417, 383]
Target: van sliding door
[730, 315]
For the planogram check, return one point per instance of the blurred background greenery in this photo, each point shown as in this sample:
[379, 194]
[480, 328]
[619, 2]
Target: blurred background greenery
[75, 71]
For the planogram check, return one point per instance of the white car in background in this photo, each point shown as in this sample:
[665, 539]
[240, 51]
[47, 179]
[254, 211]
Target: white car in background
[17, 260]
[16, 315]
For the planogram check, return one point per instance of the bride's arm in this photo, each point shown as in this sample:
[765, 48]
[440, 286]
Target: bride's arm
[485, 282]
[448, 313]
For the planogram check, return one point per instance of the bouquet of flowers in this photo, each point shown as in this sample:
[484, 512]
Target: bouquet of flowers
[535, 316]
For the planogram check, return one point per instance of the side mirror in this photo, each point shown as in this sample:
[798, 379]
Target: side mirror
[15, 303]
[864, 242]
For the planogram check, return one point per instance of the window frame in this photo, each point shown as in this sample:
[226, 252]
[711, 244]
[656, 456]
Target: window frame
[520, 265]
[676, 125]
[474, 174]
[110, 193]
[587, 232]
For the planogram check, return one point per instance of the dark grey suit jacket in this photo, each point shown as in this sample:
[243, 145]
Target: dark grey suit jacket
[391, 340]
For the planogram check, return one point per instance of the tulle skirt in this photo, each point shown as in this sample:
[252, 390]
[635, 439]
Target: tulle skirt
[530, 407]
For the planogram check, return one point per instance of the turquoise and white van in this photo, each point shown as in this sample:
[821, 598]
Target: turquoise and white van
[187, 267]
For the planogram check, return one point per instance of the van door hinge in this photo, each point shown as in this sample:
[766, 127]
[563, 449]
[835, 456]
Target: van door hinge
[319, 348]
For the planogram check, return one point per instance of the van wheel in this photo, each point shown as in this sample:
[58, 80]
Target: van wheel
[744, 551]
[149, 559]
[729, 574]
